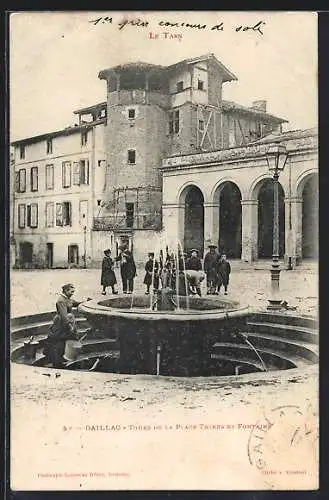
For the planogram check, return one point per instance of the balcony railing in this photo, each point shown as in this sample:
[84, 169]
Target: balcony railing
[151, 221]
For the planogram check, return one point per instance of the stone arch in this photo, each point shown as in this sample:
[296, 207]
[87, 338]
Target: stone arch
[184, 189]
[256, 185]
[302, 179]
[307, 190]
[217, 188]
[261, 191]
[227, 217]
[191, 217]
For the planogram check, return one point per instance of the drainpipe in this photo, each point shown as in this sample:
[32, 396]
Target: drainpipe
[92, 189]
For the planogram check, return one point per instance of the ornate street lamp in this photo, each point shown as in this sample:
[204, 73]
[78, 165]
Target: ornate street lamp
[276, 157]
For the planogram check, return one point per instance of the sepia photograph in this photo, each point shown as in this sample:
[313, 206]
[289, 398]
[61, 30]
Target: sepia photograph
[164, 189]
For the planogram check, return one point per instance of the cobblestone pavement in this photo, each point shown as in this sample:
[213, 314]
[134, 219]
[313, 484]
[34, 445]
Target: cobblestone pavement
[35, 291]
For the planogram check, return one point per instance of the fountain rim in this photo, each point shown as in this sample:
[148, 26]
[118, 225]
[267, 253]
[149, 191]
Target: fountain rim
[93, 307]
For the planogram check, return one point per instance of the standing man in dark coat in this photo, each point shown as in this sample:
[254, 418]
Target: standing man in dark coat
[127, 269]
[224, 271]
[210, 267]
[63, 327]
[151, 273]
[108, 277]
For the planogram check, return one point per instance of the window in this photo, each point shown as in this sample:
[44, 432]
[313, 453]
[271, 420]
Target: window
[131, 156]
[131, 114]
[67, 213]
[129, 214]
[84, 138]
[49, 176]
[201, 125]
[49, 146]
[49, 214]
[63, 214]
[174, 122]
[76, 173]
[200, 85]
[81, 172]
[34, 179]
[21, 216]
[22, 180]
[66, 174]
[32, 215]
[180, 86]
[22, 151]
[84, 171]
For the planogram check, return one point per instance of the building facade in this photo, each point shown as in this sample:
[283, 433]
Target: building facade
[164, 156]
[226, 197]
[58, 187]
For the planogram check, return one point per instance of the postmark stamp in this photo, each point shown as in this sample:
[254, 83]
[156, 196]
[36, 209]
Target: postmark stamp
[287, 446]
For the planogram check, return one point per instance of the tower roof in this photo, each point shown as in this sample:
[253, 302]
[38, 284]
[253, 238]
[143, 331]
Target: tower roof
[141, 66]
[227, 74]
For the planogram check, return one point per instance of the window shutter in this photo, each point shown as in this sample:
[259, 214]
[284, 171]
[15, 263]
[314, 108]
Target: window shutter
[33, 215]
[66, 174]
[21, 216]
[49, 214]
[87, 172]
[17, 182]
[28, 216]
[69, 214]
[59, 214]
[76, 174]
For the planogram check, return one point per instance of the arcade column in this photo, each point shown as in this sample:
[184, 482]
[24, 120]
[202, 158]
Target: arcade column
[293, 230]
[249, 210]
[211, 223]
[173, 223]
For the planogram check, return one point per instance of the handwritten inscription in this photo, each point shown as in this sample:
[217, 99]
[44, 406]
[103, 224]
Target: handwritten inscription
[257, 27]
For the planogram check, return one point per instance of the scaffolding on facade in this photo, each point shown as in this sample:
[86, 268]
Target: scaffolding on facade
[130, 208]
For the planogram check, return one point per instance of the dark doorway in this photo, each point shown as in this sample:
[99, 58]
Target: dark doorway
[310, 218]
[73, 255]
[26, 253]
[230, 226]
[50, 255]
[265, 220]
[194, 220]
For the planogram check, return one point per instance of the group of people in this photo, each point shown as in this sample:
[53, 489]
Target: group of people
[216, 268]
[127, 271]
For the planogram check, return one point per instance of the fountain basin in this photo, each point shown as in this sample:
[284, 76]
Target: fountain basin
[166, 342]
[284, 341]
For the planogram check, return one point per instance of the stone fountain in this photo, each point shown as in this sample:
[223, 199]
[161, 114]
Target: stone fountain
[170, 332]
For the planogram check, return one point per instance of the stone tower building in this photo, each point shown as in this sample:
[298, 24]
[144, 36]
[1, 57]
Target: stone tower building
[154, 112]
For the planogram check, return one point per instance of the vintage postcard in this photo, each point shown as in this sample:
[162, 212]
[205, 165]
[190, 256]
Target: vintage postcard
[164, 251]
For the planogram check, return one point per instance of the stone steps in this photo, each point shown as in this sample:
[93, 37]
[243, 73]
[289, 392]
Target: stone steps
[284, 319]
[289, 332]
[277, 359]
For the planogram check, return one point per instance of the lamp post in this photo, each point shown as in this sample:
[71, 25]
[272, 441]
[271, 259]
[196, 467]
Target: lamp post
[276, 159]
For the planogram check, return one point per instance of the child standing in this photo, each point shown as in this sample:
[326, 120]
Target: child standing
[108, 277]
[224, 271]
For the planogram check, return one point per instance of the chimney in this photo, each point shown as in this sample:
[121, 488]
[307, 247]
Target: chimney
[259, 105]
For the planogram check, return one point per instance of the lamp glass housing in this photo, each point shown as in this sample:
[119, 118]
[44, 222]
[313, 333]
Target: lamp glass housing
[276, 157]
